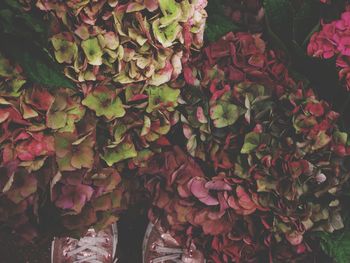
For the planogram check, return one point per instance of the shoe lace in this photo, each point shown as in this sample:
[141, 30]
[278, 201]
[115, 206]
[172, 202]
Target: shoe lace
[90, 249]
[168, 253]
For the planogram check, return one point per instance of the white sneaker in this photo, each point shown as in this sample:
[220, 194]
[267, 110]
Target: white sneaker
[160, 247]
[92, 248]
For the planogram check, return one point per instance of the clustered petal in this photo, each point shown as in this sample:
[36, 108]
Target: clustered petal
[238, 159]
[334, 41]
[268, 155]
[48, 141]
[125, 42]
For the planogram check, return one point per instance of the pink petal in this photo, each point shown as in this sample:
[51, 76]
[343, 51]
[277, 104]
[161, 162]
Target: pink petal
[243, 199]
[65, 202]
[218, 185]
[209, 200]
[233, 203]
[197, 187]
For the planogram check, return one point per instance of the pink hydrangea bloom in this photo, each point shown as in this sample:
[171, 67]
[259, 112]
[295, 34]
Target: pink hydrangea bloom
[334, 41]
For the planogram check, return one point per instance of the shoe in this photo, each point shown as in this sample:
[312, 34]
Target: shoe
[160, 247]
[94, 247]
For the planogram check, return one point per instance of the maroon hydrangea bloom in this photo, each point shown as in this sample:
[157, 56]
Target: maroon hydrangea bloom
[233, 59]
[99, 195]
[48, 142]
[266, 146]
[18, 200]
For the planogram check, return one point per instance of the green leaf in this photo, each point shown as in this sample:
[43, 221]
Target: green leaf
[21, 24]
[39, 72]
[13, 4]
[6, 21]
[218, 24]
[23, 39]
[307, 38]
[305, 20]
[279, 14]
[333, 10]
[37, 66]
[337, 246]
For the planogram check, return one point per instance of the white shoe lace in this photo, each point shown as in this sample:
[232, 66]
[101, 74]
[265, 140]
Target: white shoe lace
[89, 249]
[169, 253]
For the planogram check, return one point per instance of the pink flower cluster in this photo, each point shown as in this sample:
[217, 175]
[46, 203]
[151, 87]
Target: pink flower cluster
[334, 41]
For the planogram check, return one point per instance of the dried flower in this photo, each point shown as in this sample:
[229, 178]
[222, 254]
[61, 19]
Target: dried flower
[125, 42]
[265, 145]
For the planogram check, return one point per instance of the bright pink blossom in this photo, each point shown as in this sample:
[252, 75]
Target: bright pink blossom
[334, 41]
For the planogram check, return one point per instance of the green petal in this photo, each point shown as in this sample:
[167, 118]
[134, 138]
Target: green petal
[56, 120]
[92, 51]
[6, 70]
[64, 164]
[105, 103]
[65, 51]
[171, 11]
[162, 95]
[321, 141]
[224, 115]
[115, 110]
[251, 142]
[122, 152]
[167, 35]
[84, 158]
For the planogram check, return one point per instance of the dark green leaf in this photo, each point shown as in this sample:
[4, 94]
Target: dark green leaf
[218, 26]
[6, 21]
[275, 41]
[23, 39]
[217, 23]
[13, 3]
[36, 63]
[336, 246]
[305, 19]
[15, 21]
[333, 11]
[307, 38]
[280, 14]
[38, 71]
